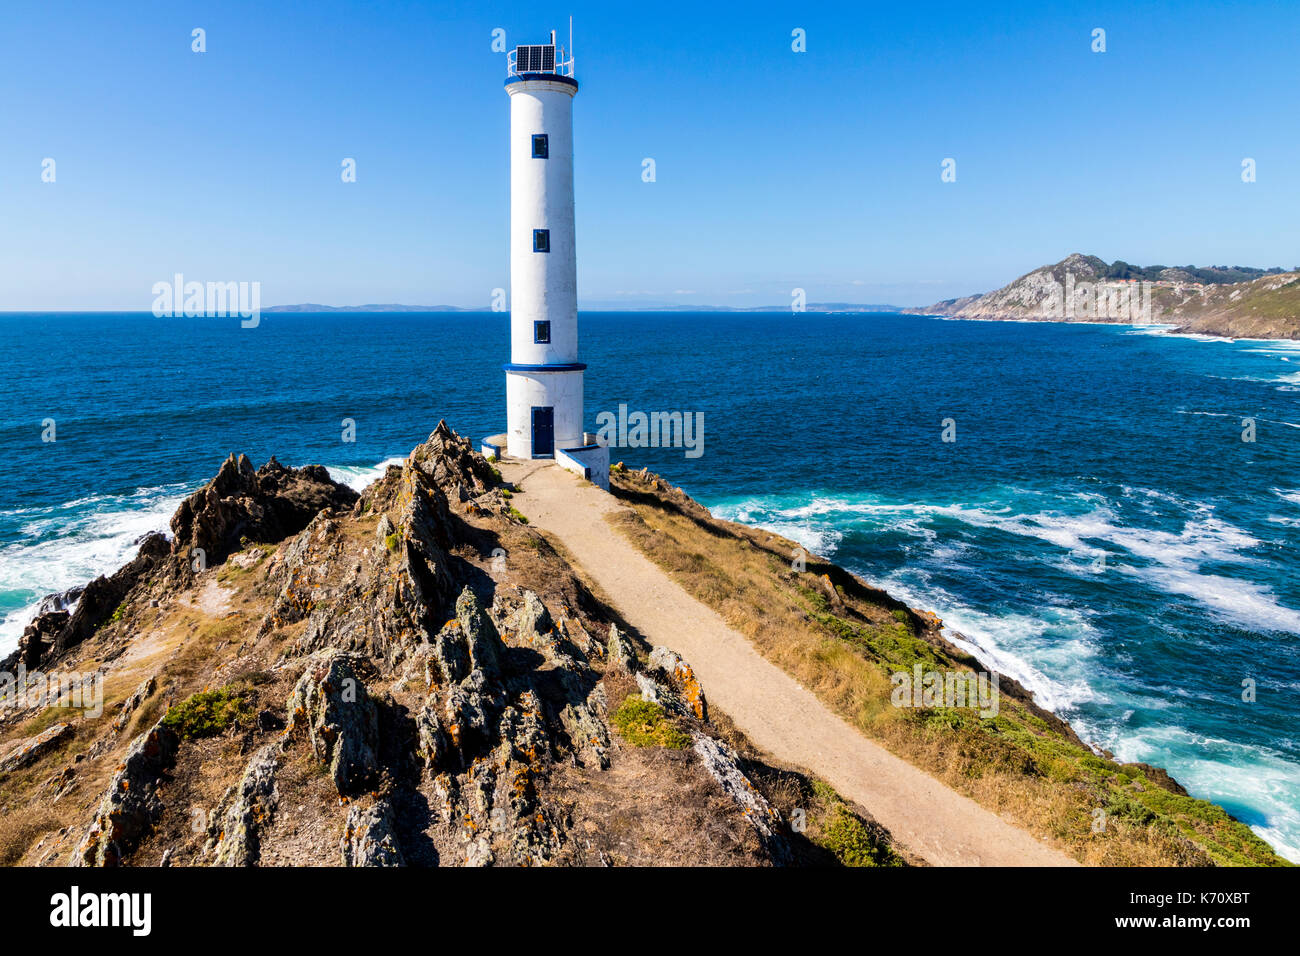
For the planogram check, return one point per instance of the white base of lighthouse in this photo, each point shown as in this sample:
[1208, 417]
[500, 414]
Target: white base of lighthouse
[543, 411]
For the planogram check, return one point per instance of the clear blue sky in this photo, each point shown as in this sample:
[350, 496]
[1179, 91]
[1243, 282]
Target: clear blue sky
[775, 169]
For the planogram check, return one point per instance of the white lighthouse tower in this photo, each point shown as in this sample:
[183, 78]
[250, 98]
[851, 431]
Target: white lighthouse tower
[544, 377]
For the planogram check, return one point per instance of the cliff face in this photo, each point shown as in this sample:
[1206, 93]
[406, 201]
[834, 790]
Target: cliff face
[302, 676]
[1076, 290]
[1267, 308]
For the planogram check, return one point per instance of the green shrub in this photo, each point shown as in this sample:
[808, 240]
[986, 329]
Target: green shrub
[643, 723]
[852, 842]
[392, 541]
[210, 712]
[517, 515]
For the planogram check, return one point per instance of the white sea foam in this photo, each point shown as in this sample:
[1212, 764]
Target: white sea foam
[358, 477]
[1167, 560]
[68, 545]
[1058, 639]
[1167, 331]
[1170, 561]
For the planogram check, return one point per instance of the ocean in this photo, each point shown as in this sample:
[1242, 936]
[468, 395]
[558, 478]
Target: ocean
[1097, 529]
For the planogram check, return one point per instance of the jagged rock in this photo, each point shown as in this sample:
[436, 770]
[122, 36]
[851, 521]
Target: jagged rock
[587, 730]
[235, 831]
[532, 620]
[342, 723]
[432, 745]
[267, 505]
[619, 652]
[132, 703]
[721, 763]
[59, 601]
[479, 853]
[131, 806]
[458, 718]
[656, 692]
[832, 595]
[33, 748]
[579, 639]
[481, 637]
[36, 641]
[1160, 777]
[452, 462]
[450, 653]
[523, 735]
[383, 530]
[385, 606]
[468, 708]
[369, 838]
[683, 680]
[506, 707]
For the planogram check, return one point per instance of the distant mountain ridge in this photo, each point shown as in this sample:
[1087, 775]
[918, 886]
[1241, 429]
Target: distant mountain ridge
[1080, 288]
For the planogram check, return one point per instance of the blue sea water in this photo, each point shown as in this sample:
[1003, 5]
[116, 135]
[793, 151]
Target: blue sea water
[1098, 529]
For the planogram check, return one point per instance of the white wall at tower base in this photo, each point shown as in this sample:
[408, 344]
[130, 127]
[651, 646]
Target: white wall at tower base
[561, 391]
[590, 461]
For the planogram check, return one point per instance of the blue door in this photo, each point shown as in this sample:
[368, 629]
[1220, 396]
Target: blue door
[543, 431]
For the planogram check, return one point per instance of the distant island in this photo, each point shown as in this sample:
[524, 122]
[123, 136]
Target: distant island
[1232, 301]
[387, 307]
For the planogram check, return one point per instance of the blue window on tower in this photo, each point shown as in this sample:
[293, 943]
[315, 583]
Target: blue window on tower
[541, 240]
[542, 332]
[541, 146]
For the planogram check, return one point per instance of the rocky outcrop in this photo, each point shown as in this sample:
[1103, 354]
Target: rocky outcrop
[33, 748]
[60, 601]
[452, 463]
[672, 684]
[234, 834]
[36, 641]
[679, 675]
[131, 806]
[331, 705]
[369, 838]
[722, 764]
[132, 703]
[267, 505]
[619, 652]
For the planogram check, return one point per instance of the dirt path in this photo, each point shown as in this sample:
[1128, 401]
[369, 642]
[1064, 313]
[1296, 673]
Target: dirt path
[777, 713]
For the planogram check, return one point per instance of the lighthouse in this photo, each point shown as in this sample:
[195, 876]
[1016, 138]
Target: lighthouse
[544, 377]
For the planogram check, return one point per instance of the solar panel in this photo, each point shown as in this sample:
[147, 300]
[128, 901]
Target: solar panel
[535, 59]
